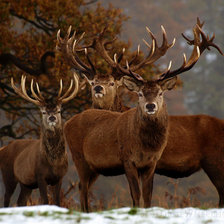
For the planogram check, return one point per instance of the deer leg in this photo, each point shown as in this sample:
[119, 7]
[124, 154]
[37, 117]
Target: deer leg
[92, 179]
[42, 185]
[133, 179]
[83, 190]
[24, 195]
[10, 186]
[216, 175]
[56, 193]
[9, 190]
[147, 185]
[87, 178]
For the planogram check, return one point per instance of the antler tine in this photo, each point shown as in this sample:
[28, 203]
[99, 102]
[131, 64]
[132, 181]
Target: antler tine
[68, 90]
[133, 74]
[205, 42]
[89, 60]
[22, 91]
[65, 98]
[68, 47]
[39, 93]
[135, 57]
[184, 67]
[39, 98]
[155, 51]
[60, 90]
[200, 44]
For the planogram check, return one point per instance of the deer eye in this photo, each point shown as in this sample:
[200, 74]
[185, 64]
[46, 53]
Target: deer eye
[161, 94]
[140, 94]
[44, 112]
[92, 83]
[112, 84]
[59, 112]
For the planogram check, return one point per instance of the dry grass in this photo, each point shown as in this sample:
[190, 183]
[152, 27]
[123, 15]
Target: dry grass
[121, 198]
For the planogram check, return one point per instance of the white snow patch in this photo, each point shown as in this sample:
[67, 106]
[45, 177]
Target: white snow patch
[55, 215]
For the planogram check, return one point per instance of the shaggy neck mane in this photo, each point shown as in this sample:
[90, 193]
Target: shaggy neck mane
[105, 104]
[53, 143]
[152, 129]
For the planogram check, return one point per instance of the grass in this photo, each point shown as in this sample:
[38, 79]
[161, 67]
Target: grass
[133, 211]
[171, 198]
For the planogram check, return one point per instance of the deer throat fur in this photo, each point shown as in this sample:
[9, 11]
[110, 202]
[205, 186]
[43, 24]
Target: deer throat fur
[53, 145]
[153, 131]
[108, 104]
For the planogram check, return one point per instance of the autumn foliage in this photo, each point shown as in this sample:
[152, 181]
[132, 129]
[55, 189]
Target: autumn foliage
[27, 45]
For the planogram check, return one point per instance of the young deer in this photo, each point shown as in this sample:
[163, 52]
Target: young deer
[104, 87]
[112, 143]
[41, 162]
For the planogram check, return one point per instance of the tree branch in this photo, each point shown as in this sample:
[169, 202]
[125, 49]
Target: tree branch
[8, 58]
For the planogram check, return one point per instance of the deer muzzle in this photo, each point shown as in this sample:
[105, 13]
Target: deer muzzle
[150, 108]
[99, 91]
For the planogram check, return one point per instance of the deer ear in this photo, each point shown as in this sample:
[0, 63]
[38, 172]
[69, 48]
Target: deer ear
[131, 83]
[168, 84]
[119, 82]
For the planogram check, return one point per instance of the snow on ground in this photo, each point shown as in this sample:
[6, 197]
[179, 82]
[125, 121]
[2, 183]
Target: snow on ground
[55, 215]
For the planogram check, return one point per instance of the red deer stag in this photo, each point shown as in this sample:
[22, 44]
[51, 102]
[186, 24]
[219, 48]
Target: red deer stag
[187, 154]
[193, 143]
[104, 88]
[41, 162]
[112, 143]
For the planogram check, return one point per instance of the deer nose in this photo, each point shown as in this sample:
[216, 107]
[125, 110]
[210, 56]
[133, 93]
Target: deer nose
[98, 89]
[150, 107]
[52, 118]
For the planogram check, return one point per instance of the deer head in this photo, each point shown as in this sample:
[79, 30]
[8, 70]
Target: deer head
[103, 86]
[50, 108]
[150, 93]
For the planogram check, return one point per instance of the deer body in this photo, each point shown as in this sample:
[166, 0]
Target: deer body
[47, 158]
[195, 143]
[199, 147]
[37, 163]
[113, 143]
[106, 156]
[185, 152]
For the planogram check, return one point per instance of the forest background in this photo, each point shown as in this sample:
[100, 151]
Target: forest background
[27, 45]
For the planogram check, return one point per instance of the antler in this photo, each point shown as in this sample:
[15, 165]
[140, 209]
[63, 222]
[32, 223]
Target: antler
[66, 97]
[200, 44]
[68, 47]
[187, 65]
[154, 54]
[39, 100]
[206, 41]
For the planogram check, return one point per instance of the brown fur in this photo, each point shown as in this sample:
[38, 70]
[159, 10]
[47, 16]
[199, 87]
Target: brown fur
[184, 153]
[110, 99]
[112, 143]
[195, 142]
[42, 162]
[32, 164]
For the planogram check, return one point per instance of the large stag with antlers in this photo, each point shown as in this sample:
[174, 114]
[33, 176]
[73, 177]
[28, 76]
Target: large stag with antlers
[112, 143]
[104, 87]
[184, 152]
[41, 162]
